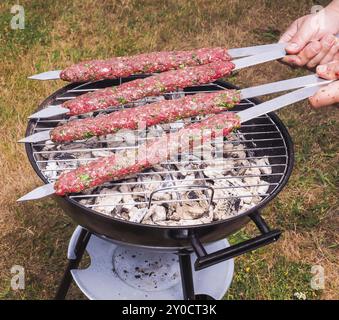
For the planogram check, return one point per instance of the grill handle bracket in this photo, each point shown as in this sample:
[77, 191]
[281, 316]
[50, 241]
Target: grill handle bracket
[205, 259]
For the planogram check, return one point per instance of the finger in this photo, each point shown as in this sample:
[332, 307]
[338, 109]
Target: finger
[301, 37]
[292, 60]
[289, 33]
[326, 96]
[332, 55]
[308, 53]
[329, 71]
[327, 42]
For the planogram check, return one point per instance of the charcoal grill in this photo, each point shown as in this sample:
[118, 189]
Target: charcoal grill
[264, 136]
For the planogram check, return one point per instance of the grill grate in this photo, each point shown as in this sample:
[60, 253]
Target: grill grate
[259, 137]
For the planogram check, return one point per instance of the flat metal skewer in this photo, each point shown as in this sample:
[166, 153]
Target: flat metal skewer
[246, 93]
[245, 115]
[234, 53]
[52, 111]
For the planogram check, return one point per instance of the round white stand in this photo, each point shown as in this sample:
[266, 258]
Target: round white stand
[131, 273]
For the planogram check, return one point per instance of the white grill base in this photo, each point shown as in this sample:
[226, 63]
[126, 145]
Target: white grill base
[106, 277]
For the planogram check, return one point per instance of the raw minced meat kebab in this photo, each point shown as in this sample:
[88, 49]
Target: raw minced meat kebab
[150, 86]
[131, 161]
[148, 115]
[120, 67]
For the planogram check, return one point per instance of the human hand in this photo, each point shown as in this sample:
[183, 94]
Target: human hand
[311, 39]
[329, 94]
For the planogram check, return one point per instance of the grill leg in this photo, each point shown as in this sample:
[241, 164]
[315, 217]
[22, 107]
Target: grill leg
[73, 264]
[186, 276]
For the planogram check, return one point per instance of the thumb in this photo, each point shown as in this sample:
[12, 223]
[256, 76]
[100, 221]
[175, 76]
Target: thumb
[302, 36]
[326, 96]
[329, 71]
[289, 33]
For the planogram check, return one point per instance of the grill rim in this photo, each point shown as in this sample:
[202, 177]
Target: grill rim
[277, 121]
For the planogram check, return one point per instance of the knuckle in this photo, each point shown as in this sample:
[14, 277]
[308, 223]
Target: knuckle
[328, 41]
[312, 102]
[311, 64]
[312, 51]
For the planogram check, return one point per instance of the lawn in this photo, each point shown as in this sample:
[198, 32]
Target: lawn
[58, 33]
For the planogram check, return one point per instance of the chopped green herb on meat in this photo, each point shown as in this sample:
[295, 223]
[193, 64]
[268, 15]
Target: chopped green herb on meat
[88, 135]
[122, 100]
[85, 178]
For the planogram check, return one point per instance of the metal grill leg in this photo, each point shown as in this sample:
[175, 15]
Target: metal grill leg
[73, 264]
[186, 276]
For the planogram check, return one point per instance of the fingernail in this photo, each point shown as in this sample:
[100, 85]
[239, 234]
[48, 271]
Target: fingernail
[292, 46]
[322, 69]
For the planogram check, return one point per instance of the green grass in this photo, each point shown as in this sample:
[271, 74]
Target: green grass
[255, 279]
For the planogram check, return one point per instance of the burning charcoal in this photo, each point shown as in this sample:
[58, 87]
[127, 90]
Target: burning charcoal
[117, 210]
[86, 201]
[92, 142]
[237, 151]
[158, 168]
[112, 140]
[188, 180]
[187, 164]
[194, 212]
[138, 191]
[220, 167]
[136, 215]
[262, 190]
[158, 213]
[147, 221]
[54, 168]
[228, 148]
[75, 146]
[101, 153]
[128, 137]
[128, 202]
[225, 208]
[109, 200]
[144, 101]
[125, 188]
[183, 222]
[252, 172]
[212, 172]
[264, 162]
[49, 145]
[193, 209]
[207, 153]
[156, 131]
[192, 195]
[177, 95]
[151, 182]
[162, 196]
[237, 203]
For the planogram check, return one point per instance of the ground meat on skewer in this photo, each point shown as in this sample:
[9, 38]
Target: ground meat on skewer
[151, 86]
[120, 67]
[124, 163]
[148, 115]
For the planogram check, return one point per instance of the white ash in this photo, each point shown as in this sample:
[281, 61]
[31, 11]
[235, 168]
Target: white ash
[234, 173]
[108, 200]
